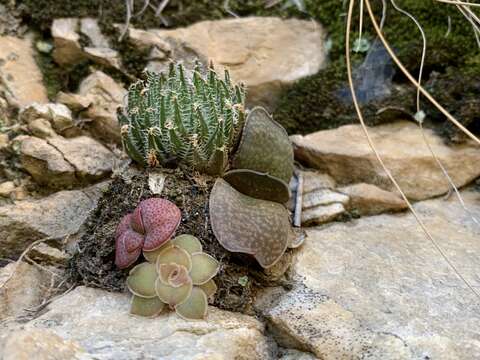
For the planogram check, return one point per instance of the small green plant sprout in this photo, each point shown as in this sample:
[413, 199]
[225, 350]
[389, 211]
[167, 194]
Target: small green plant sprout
[178, 275]
[173, 117]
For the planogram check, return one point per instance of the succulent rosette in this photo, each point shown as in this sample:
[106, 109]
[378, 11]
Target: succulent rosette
[177, 274]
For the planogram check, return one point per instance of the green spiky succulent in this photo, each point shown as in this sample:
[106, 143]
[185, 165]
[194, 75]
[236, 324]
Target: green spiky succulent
[179, 275]
[191, 119]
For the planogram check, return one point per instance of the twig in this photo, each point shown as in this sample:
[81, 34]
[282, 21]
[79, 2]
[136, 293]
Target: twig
[17, 263]
[370, 142]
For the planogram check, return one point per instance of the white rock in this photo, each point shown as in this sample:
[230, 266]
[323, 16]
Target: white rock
[345, 154]
[20, 77]
[265, 53]
[377, 288]
[313, 180]
[368, 199]
[99, 322]
[6, 188]
[41, 128]
[67, 41]
[59, 115]
[25, 289]
[104, 56]
[90, 28]
[106, 96]
[323, 197]
[322, 214]
[56, 216]
[41, 344]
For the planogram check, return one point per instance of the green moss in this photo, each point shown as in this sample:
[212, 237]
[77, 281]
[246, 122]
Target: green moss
[311, 104]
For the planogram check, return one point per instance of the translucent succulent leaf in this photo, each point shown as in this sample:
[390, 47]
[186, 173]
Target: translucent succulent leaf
[146, 307]
[248, 225]
[172, 295]
[175, 255]
[151, 256]
[141, 280]
[195, 306]
[210, 288]
[258, 185]
[204, 267]
[265, 147]
[173, 275]
[188, 242]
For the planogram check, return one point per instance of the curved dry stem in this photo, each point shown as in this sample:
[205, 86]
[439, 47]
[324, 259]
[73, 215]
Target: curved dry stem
[410, 77]
[370, 142]
[420, 73]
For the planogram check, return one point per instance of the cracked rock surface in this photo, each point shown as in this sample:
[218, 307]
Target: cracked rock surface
[376, 288]
[59, 162]
[98, 323]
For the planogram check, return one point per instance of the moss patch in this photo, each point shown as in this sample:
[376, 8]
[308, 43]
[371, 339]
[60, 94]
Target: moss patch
[312, 104]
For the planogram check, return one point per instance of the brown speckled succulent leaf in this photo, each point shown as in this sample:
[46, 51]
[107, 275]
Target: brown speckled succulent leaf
[244, 224]
[258, 185]
[264, 147]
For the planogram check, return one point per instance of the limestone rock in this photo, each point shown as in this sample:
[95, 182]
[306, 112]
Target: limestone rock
[55, 216]
[67, 41]
[103, 56]
[60, 162]
[20, 77]
[321, 214]
[6, 188]
[41, 128]
[313, 180]
[24, 290]
[49, 255]
[74, 102]
[378, 289]
[59, 115]
[265, 53]
[45, 163]
[41, 344]
[99, 322]
[323, 197]
[368, 199]
[90, 28]
[106, 96]
[345, 155]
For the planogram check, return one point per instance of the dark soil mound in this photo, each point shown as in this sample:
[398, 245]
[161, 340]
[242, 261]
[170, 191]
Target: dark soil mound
[93, 265]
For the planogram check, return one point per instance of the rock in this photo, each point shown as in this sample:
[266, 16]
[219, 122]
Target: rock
[345, 155]
[314, 181]
[90, 28]
[60, 162]
[6, 188]
[99, 322]
[45, 163]
[377, 288]
[41, 344]
[308, 321]
[265, 53]
[323, 197]
[74, 102]
[49, 255]
[59, 115]
[41, 128]
[56, 216]
[67, 41]
[4, 141]
[366, 199]
[24, 290]
[91, 160]
[103, 56]
[20, 77]
[322, 214]
[106, 96]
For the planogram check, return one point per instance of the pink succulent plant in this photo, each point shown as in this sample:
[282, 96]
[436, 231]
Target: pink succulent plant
[148, 227]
